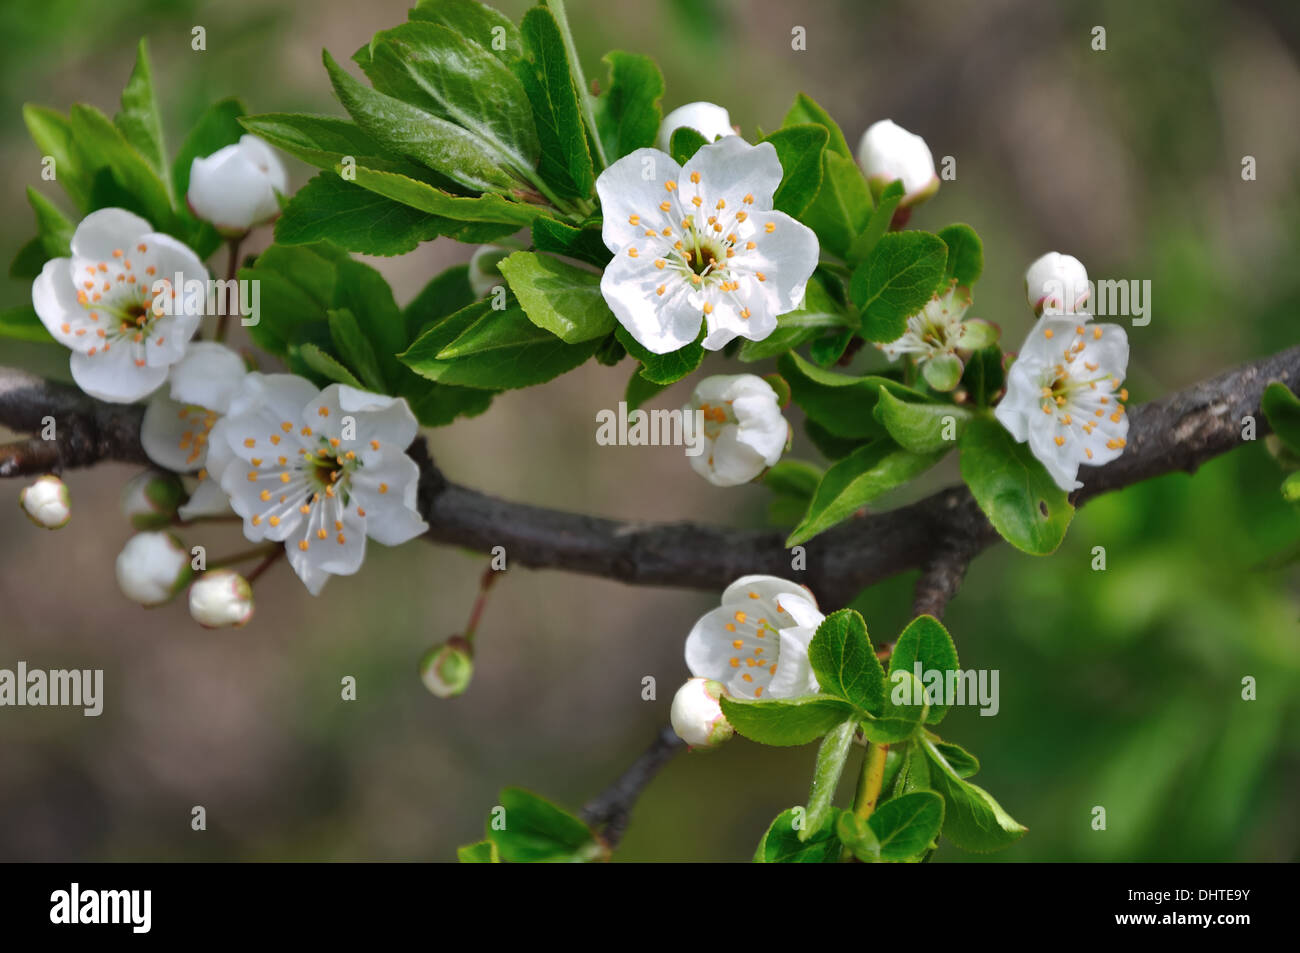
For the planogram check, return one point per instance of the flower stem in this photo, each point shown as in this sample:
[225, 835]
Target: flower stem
[485, 584]
[245, 555]
[870, 781]
[232, 268]
[265, 564]
[584, 98]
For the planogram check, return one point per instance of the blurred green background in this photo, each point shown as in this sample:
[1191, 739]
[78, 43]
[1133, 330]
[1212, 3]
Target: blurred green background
[1119, 688]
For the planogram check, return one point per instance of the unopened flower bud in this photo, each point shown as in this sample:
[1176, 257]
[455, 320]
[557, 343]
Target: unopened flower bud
[888, 152]
[152, 568]
[708, 120]
[484, 275]
[150, 499]
[221, 598]
[697, 714]
[447, 669]
[235, 187]
[1057, 284]
[46, 502]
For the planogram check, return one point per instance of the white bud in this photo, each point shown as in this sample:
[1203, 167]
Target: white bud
[46, 502]
[221, 598]
[1057, 284]
[235, 187]
[697, 714]
[483, 272]
[708, 120]
[889, 152]
[152, 568]
[150, 499]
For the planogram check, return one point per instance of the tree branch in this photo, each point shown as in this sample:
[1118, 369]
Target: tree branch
[938, 535]
[610, 811]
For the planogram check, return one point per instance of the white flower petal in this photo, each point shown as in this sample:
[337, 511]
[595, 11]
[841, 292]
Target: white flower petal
[208, 376]
[659, 323]
[105, 231]
[114, 376]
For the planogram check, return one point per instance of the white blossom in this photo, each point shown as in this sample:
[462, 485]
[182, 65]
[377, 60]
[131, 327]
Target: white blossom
[318, 470]
[709, 120]
[117, 305]
[756, 643]
[743, 428]
[888, 152]
[697, 716]
[152, 568]
[1064, 395]
[701, 244]
[1057, 284]
[221, 598]
[936, 334]
[236, 187]
[46, 502]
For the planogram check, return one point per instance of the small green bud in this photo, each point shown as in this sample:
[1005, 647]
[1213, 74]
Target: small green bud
[150, 499]
[447, 669]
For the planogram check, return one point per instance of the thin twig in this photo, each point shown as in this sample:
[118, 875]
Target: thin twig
[610, 810]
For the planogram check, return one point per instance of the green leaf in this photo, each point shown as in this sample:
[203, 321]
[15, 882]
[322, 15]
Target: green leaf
[326, 365]
[296, 285]
[584, 244]
[330, 209]
[684, 143]
[907, 826]
[52, 228]
[921, 428]
[536, 831]
[781, 844]
[502, 350]
[427, 198]
[806, 110]
[831, 756]
[484, 852]
[903, 712]
[366, 293]
[29, 261]
[628, 111]
[559, 297]
[896, 281]
[785, 721]
[984, 375]
[845, 663]
[1021, 500]
[793, 478]
[842, 207]
[857, 836]
[22, 324]
[842, 403]
[489, 28]
[436, 69]
[139, 120]
[926, 641]
[973, 820]
[965, 254]
[444, 295]
[819, 311]
[639, 390]
[800, 150]
[962, 762]
[355, 351]
[913, 772]
[410, 131]
[854, 481]
[52, 133]
[324, 141]
[662, 369]
[878, 224]
[1282, 408]
[99, 141]
[216, 128]
[548, 81]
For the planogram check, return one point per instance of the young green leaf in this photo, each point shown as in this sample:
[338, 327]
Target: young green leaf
[584, 244]
[787, 721]
[639, 390]
[984, 375]
[102, 145]
[477, 22]
[324, 364]
[52, 133]
[903, 712]
[559, 297]
[925, 642]
[355, 350]
[806, 110]
[854, 481]
[907, 826]
[139, 120]
[685, 142]
[444, 295]
[845, 663]
[216, 128]
[820, 311]
[881, 219]
[1282, 408]
[800, 149]
[973, 820]
[842, 207]
[857, 836]
[628, 111]
[548, 81]
[330, 209]
[895, 281]
[536, 831]
[831, 756]
[921, 428]
[662, 369]
[1016, 493]
[965, 254]
[21, 323]
[963, 763]
[484, 852]
[842, 403]
[52, 227]
[781, 844]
